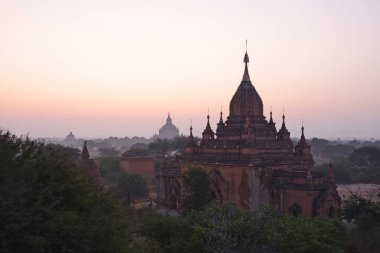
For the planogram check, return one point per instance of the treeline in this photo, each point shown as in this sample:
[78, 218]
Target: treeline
[362, 165]
[159, 147]
[328, 149]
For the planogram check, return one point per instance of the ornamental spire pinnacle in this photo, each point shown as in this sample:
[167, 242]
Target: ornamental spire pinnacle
[246, 61]
[85, 154]
[302, 129]
[271, 119]
[221, 118]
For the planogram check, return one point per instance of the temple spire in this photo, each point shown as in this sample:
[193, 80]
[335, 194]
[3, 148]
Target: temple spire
[85, 154]
[221, 118]
[190, 140]
[208, 131]
[270, 118]
[246, 61]
[283, 119]
[191, 131]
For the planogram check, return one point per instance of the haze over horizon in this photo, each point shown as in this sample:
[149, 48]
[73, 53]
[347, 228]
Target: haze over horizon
[116, 68]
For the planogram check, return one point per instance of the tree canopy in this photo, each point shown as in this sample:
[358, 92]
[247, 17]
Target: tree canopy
[46, 205]
[197, 189]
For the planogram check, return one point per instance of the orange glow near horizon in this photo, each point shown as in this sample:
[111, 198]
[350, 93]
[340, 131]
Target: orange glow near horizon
[116, 68]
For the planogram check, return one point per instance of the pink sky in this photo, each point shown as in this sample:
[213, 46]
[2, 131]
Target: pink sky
[115, 68]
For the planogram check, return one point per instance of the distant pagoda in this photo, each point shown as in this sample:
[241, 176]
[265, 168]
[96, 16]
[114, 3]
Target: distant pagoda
[168, 131]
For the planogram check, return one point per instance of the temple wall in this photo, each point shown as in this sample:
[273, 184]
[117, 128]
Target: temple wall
[140, 165]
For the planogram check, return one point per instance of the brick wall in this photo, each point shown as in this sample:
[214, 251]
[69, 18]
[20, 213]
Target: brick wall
[140, 165]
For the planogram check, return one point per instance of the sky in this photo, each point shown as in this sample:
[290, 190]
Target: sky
[116, 68]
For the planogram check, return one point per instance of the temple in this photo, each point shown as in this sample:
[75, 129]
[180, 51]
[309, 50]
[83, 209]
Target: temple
[251, 163]
[168, 131]
[87, 165]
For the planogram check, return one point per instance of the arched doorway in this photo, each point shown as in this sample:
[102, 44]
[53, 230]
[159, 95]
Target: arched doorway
[175, 196]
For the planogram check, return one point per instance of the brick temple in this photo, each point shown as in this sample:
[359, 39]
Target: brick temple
[250, 162]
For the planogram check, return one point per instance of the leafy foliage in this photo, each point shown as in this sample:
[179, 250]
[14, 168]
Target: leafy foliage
[66, 153]
[324, 148]
[130, 186]
[171, 234]
[47, 206]
[365, 215]
[230, 229]
[342, 169]
[108, 151]
[362, 165]
[108, 166]
[301, 235]
[168, 145]
[224, 228]
[366, 164]
[136, 152]
[197, 189]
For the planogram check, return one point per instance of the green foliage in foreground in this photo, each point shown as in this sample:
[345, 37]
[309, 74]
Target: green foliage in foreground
[171, 234]
[362, 212]
[364, 215]
[316, 235]
[196, 184]
[47, 206]
[130, 186]
[224, 228]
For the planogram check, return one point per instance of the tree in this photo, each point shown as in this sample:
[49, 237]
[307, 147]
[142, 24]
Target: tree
[171, 234]
[108, 166]
[303, 235]
[366, 164]
[160, 145]
[230, 229]
[364, 213]
[197, 189]
[168, 145]
[66, 153]
[130, 186]
[46, 205]
[136, 152]
[108, 151]
[342, 169]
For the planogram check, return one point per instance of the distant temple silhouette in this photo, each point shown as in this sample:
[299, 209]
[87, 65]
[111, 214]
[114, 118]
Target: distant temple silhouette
[86, 164]
[70, 137]
[251, 163]
[168, 131]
